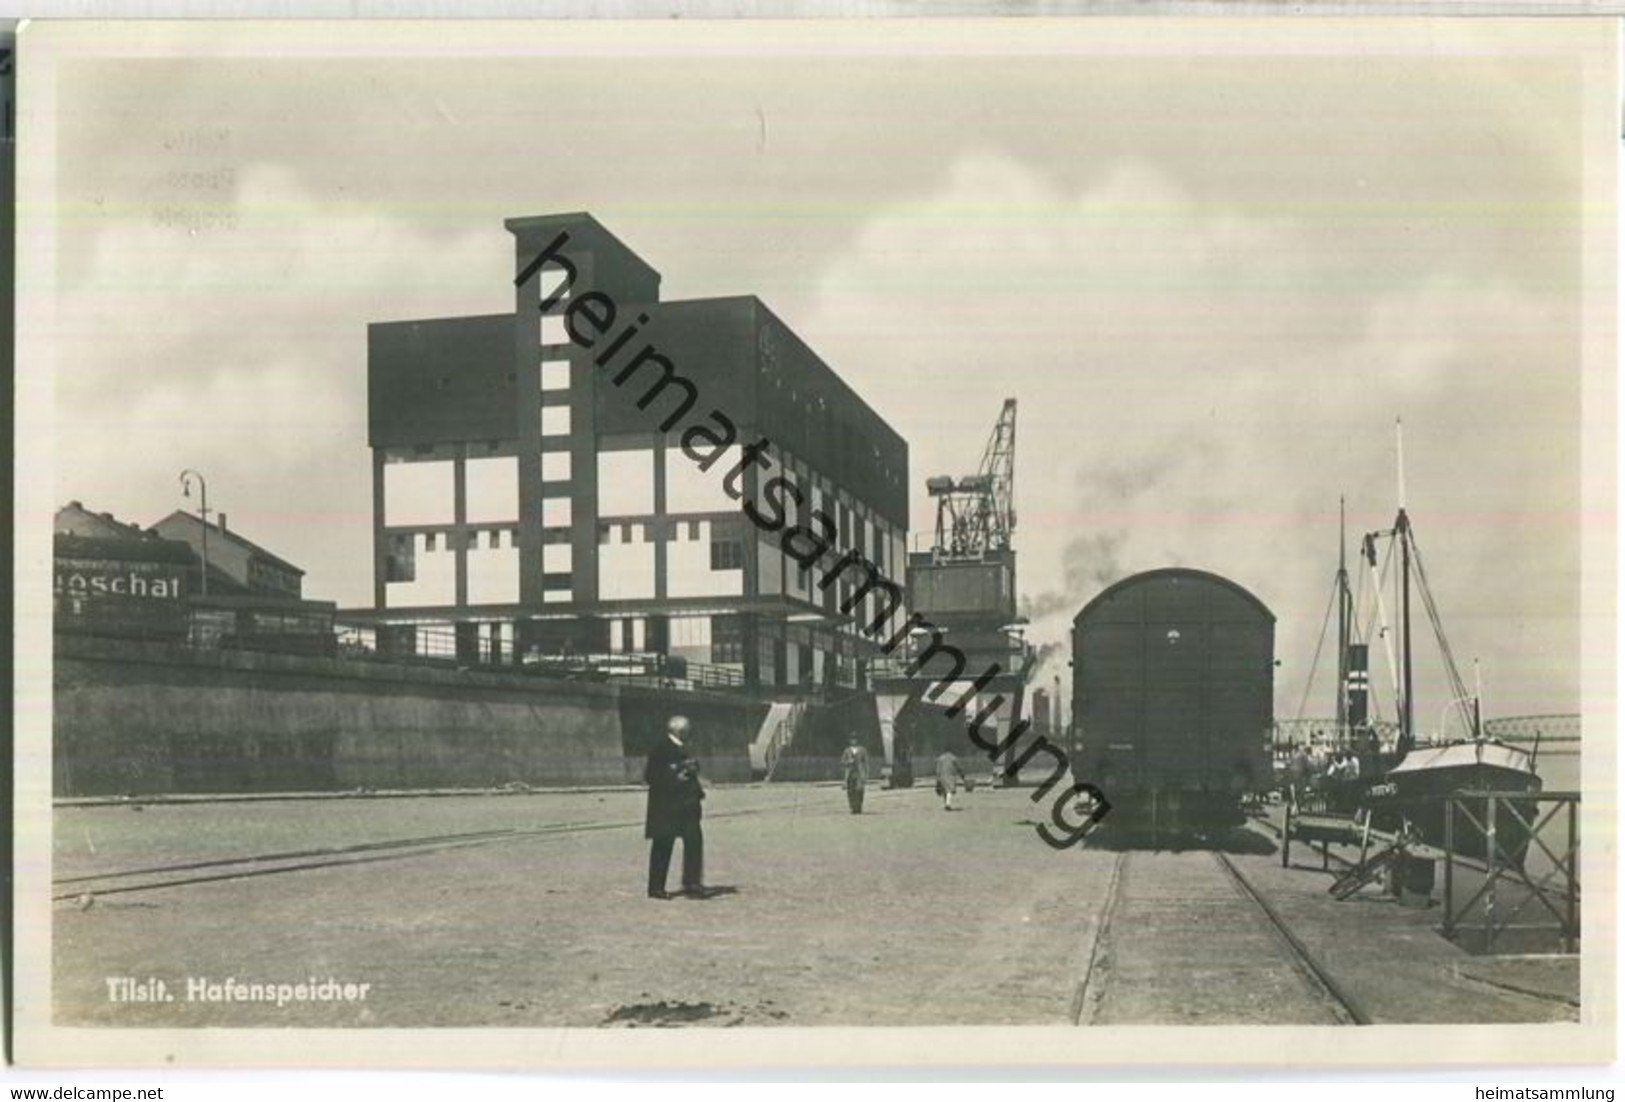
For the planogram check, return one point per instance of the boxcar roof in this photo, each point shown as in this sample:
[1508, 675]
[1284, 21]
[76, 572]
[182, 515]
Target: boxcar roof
[1134, 580]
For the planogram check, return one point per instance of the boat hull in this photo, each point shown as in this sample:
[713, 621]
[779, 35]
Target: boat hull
[1417, 791]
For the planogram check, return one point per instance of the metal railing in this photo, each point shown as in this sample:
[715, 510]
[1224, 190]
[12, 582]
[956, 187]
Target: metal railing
[440, 646]
[444, 648]
[1546, 729]
[208, 630]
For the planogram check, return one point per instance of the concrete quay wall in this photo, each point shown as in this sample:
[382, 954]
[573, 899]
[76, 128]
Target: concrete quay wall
[144, 718]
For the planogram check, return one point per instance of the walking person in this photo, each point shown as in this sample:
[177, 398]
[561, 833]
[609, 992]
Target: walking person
[855, 773]
[949, 776]
[675, 792]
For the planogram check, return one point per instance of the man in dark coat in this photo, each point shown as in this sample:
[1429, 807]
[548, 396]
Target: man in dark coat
[675, 793]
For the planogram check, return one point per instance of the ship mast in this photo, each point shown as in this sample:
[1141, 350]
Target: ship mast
[1343, 600]
[1410, 561]
[1478, 703]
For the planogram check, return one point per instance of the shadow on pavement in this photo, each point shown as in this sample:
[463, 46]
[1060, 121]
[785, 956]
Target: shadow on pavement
[712, 892]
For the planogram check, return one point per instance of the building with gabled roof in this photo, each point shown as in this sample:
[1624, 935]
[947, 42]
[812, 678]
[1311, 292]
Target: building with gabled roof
[249, 568]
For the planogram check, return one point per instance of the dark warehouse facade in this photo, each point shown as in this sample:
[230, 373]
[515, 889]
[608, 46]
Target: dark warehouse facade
[525, 499]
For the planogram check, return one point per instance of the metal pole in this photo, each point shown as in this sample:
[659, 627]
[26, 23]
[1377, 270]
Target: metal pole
[1478, 702]
[1571, 935]
[1408, 722]
[1449, 867]
[1342, 624]
[1491, 865]
[186, 491]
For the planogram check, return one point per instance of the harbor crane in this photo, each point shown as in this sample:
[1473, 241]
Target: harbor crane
[965, 587]
[976, 514]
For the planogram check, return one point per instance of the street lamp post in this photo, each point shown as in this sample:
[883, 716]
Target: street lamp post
[203, 494]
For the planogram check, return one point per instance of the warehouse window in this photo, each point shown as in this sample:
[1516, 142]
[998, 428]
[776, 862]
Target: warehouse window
[400, 565]
[557, 559]
[555, 374]
[549, 281]
[555, 420]
[727, 640]
[552, 330]
[555, 466]
[557, 512]
[490, 489]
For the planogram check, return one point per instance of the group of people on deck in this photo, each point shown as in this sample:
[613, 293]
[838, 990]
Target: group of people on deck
[1316, 765]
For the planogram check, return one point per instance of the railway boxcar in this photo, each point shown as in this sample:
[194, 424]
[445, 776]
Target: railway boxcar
[1174, 681]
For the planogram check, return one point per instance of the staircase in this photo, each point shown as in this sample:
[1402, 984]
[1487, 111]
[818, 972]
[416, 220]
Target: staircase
[778, 730]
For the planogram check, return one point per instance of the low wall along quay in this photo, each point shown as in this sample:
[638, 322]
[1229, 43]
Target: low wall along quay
[144, 718]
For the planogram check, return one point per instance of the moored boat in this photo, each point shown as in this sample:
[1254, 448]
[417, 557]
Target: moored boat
[1416, 790]
[1410, 785]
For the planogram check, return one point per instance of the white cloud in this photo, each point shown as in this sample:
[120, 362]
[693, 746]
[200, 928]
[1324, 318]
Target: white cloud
[233, 340]
[1199, 384]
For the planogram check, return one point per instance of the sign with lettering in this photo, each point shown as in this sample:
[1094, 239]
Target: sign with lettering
[88, 587]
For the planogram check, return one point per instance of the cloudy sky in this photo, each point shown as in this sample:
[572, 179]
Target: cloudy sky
[1212, 282]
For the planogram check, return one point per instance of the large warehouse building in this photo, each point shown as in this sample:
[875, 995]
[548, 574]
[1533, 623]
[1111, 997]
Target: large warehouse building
[543, 495]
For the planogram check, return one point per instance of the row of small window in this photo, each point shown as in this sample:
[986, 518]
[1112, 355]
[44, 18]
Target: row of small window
[727, 551]
[490, 540]
[402, 569]
[471, 449]
[669, 531]
[262, 575]
[450, 541]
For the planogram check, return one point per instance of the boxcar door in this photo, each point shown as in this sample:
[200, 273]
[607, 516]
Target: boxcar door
[1110, 697]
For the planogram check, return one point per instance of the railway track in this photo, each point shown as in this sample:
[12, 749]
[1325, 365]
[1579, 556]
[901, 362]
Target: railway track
[1184, 938]
[184, 874]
